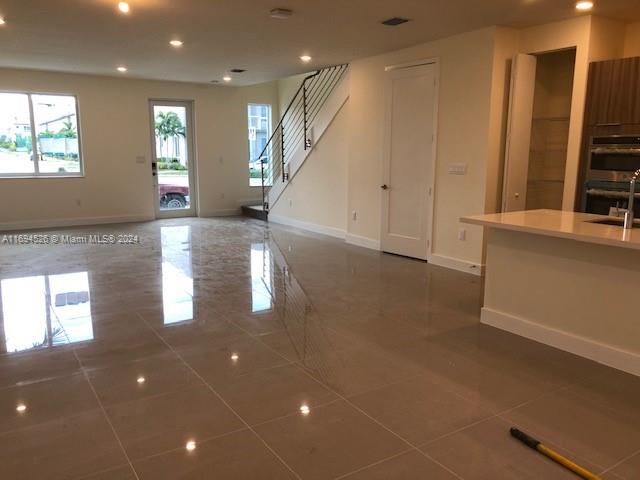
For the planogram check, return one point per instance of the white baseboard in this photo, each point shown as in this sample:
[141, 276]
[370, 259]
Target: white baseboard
[582, 346]
[311, 227]
[457, 264]
[364, 242]
[72, 222]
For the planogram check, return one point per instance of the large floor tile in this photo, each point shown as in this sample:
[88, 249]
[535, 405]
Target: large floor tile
[231, 358]
[591, 430]
[358, 370]
[120, 473]
[274, 392]
[43, 401]
[330, 441]
[61, 449]
[38, 365]
[420, 410]
[117, 344]
[407, 466]
[149, 376]
[239, 456]
[498, 388]
[164, 422]
[487, 451]
[629, 469]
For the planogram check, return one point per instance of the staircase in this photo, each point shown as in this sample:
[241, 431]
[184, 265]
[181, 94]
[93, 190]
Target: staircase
[308, 115]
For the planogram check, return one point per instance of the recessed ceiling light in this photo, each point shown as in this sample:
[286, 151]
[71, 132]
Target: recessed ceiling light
[280, 13]
[124, 7]
[2, 21]
[122, 69]
[227, 78]
[305, 410]
[235, 357]
[583, 6]
[176, 43]
[21, 408]
[141, 380]
[191, 446]
[305, 58]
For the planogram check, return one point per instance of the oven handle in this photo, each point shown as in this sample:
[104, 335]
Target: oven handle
[597, 192]
[615, 151]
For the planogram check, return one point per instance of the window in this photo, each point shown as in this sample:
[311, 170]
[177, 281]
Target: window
[39, 135]
[259, 135]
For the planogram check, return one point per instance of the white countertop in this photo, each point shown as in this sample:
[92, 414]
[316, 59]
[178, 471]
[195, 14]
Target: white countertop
[555, 223]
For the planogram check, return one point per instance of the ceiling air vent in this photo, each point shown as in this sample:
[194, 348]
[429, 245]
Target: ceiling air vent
[237, 70]
[395, 21]
[280, 13]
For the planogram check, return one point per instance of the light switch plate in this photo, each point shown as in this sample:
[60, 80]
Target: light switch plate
[457, 169]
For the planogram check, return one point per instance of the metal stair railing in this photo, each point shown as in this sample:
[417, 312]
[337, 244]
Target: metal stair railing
[293, 128]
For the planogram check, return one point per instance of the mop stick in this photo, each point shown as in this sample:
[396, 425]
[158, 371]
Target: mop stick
[555, 456]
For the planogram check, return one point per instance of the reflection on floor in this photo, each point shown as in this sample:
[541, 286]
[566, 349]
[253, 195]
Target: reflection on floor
[229, 349]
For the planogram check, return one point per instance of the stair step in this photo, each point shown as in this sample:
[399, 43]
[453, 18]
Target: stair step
[255, 211]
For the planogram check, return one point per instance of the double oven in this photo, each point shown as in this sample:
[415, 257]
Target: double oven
[612, 161]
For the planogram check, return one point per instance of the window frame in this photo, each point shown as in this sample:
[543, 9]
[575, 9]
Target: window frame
[269, 134]
[34, 139]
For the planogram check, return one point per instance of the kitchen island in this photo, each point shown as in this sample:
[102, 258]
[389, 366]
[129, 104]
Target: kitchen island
[565, 280]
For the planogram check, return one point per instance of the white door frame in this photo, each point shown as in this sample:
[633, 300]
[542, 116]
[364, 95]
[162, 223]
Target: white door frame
[434, 146]
[193, 210]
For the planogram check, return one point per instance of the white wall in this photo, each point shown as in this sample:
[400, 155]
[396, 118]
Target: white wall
[115, 187]
[317, 194]
[287, 88]
[632, 40]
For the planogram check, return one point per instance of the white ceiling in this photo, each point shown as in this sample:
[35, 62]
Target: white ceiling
[91, 36]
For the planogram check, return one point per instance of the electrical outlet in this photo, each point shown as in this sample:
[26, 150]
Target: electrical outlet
[354, 215]
[462, 234]
[222, 196]
[290, 203]
[78, 202]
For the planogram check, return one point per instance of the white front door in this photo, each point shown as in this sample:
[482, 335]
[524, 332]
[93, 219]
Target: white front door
[173, 168]
[407, 188]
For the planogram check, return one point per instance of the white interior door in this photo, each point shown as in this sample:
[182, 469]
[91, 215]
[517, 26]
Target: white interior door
[173, 165]
[516, 167]
[407, 204]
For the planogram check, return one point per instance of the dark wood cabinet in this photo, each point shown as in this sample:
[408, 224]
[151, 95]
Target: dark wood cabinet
[613, 95]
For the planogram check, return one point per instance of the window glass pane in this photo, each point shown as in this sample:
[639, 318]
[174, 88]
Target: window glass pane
[56, 123]
[259, 133]
[15, 135]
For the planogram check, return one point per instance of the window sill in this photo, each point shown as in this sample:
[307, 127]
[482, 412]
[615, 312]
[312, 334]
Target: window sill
[26, 176]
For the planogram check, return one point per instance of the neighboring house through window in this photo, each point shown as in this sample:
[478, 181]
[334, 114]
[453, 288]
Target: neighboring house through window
[39, 135]
[259, 134]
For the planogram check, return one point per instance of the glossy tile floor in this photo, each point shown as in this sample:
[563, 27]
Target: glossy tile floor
[228, 349]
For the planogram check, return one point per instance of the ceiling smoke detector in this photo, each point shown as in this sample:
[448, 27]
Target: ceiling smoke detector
[394, 21]
[280, 13]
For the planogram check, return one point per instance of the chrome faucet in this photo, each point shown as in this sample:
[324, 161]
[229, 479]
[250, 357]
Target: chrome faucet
[628, 217]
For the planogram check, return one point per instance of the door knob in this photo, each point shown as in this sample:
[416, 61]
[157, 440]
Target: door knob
[384, 187]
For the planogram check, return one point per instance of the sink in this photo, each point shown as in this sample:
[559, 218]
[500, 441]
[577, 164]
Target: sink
[616, 222]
